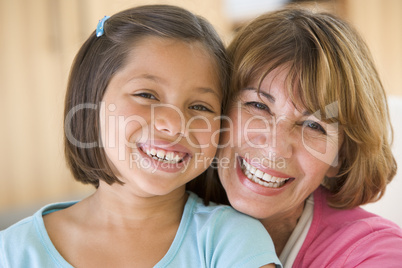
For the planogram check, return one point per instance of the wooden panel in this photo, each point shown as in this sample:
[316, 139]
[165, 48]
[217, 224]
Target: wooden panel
[38, 43]
[380, 23]
[32, 85]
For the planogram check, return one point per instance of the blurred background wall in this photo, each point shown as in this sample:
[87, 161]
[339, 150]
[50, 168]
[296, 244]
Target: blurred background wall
[38, 41]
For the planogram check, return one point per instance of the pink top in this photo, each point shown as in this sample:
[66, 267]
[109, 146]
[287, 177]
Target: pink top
[349, 238]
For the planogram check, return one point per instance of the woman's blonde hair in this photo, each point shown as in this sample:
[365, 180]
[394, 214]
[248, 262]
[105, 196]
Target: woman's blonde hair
[330, 66]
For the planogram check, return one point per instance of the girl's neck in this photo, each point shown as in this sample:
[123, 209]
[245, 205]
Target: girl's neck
[114, 227]
[127, 209]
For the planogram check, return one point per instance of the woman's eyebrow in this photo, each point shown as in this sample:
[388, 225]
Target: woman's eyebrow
[268, 96]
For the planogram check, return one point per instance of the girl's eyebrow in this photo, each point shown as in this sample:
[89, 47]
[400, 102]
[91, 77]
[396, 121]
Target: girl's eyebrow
[206, 90]
[157, 79]
[148, 77]
[268, 96]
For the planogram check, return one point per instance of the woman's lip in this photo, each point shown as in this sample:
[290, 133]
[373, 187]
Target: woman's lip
[257, 188]
[266, 169]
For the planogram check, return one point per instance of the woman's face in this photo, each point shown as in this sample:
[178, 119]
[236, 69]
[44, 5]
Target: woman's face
[273, 155]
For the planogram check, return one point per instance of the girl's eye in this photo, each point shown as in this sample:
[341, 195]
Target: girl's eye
[258, 105]
[146, 95]
[315, 126]
[200, 108]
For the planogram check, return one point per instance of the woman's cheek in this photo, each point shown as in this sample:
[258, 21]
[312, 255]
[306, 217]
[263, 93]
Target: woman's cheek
[322, 147]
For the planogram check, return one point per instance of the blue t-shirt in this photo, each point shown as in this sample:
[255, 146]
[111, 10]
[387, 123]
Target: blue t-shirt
[208, 236]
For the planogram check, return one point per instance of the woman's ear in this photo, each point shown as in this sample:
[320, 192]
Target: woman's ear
[337, 163]
[333, 171]
[334, 167]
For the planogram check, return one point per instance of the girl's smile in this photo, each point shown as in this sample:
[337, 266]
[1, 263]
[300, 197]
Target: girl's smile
[163, 128]
[173, 158]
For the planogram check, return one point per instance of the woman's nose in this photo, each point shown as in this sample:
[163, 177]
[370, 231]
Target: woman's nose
[275, 139]
[169, 120]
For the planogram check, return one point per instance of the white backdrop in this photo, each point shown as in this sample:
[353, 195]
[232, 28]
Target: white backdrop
[390, 206]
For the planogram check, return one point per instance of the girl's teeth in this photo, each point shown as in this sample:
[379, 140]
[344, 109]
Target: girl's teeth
[260, 177]
[169, 156]
[163, 156]
[160, 154]
[176, 158]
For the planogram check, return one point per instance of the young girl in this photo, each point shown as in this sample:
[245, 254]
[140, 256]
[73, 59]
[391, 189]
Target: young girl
[142, 118]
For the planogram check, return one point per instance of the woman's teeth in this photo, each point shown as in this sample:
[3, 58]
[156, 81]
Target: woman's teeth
[165, 156]
[260, 177]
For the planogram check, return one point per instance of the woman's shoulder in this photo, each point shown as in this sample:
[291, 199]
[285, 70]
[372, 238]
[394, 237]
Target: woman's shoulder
[348, 218]
[349, 237]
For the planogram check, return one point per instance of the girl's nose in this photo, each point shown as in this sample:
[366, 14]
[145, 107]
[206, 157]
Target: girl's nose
[169, 120]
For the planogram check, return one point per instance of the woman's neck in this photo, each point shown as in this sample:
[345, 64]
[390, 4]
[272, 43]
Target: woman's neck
[280, 228]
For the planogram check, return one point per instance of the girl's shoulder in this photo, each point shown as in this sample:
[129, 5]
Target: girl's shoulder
[220, 236]
[224, 223]
[26, 243]
[34, 221]
[212, 210]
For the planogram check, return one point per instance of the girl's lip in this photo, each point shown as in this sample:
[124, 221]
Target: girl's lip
[163, 166]
[265, 169]
[166, 145]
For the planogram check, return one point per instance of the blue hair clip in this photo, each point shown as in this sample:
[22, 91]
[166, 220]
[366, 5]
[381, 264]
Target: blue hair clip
[99, 27]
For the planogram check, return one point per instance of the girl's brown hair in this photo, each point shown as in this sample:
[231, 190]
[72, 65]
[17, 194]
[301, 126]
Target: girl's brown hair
[100, 58]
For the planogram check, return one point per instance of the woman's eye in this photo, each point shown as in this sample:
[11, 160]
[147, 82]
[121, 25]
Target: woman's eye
[200, 108]
[258, 105]
[146, 95]
[315, 126]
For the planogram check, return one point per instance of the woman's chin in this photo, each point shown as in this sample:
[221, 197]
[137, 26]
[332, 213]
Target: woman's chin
[250, 207]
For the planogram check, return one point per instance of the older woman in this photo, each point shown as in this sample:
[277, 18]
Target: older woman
[307, 141]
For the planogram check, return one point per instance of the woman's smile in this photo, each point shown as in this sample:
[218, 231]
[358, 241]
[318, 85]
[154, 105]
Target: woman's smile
[270, 162]
[260, 182]
[263, 178]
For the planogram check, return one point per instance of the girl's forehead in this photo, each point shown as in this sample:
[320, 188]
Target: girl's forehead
[198, 48]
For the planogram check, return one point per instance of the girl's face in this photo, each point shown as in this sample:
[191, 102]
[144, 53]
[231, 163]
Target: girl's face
[160, 116]
[274, 155]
